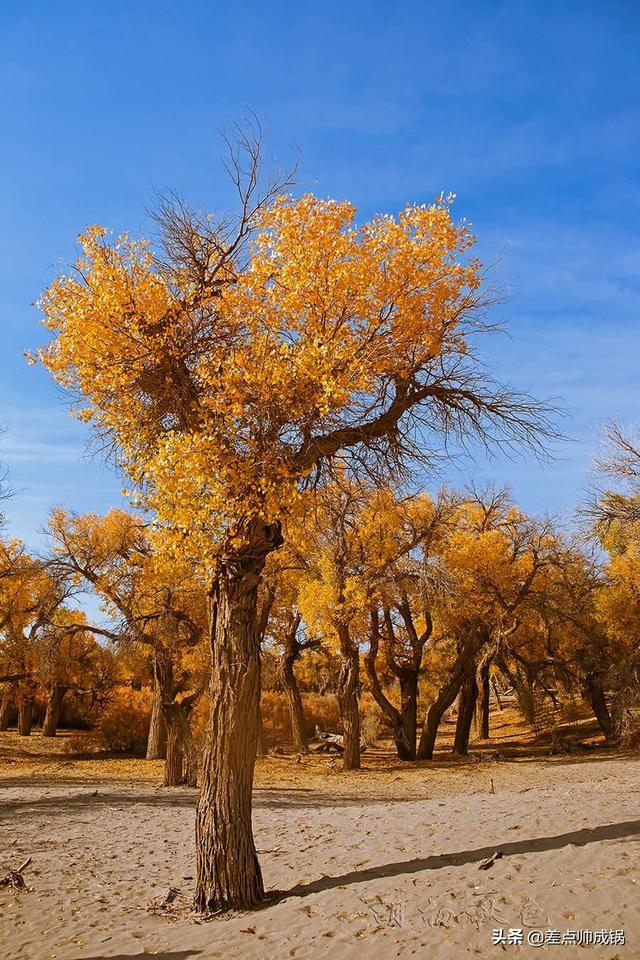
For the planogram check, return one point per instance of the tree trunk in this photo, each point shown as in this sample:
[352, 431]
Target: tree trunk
[187, 744]
[594, 695]
[290, 684]
[173, 759]
[446, 695]
[468, 697]
[157, 739]
[406, 733]
[228, 871]
[496, 692]
[618, 713]
[54, 709]
[526, 701]
[484, 700]
[348, 684]
[5, 709]
[179, 741]
[261, 746]
[25, 714]
[462, 669]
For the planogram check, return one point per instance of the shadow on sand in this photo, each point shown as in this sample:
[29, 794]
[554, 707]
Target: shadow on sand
[578, 838]
[174, 955]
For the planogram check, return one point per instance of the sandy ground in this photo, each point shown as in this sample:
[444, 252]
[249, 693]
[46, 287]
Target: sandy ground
[382, 862]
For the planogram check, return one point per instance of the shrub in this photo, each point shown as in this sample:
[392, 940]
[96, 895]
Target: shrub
[123, 726]
[321, 710]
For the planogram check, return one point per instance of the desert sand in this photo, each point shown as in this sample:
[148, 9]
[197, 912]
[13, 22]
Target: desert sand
[380, 863]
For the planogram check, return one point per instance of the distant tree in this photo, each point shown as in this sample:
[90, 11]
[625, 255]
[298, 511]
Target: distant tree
[30, 597]
[155, 602]
[496, 558]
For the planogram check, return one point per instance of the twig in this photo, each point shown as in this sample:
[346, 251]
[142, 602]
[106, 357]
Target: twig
[489, 862]
[14, 878]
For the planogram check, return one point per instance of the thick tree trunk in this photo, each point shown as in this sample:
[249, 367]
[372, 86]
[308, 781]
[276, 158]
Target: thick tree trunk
[54, 709]
[484, 700]
[228, 871]
[618, 712]
[187, 745]
[348, 689]
[5, 709]
[526, 701]
[446, 695]
[179, 741]
[157, 739]
[296, 712]
[173, 760]
[594, 695]
[467, 706]
[25, 715]
[406, 733]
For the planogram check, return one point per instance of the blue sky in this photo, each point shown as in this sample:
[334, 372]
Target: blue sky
[529, 112]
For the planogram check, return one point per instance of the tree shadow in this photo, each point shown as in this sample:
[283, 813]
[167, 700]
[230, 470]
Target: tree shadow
[174, 955]
[263, 798]
[614, 831]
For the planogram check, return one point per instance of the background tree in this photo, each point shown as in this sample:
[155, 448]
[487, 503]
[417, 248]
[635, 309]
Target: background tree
[29, 601]
[407, 580]
[495, 556]
[153, 601]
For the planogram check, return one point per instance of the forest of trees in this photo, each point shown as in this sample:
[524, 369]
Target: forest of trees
[280, 388]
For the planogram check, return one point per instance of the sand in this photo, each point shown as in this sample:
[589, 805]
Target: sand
[376, 864]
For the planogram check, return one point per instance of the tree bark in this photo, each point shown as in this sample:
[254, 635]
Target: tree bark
[261, 746]
[348, 689]
[173, 759]
[157, 739]
[617, 712]
[594, 695]
[54, 709]
[228, 871]
[468, 697]
[290, 684]
[484, 699]
[5, 709]
[180, 721]
[496, 692]
[446, 695]
[524, 689]
[406, 746]
[25, 715]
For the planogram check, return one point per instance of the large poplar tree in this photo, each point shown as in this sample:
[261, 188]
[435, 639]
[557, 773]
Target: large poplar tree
[231, 367]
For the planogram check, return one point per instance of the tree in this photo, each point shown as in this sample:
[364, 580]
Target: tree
[495, 556]
[614, 516]
[407, 581]
[284, 634]
[30, 598]
[231, 368]
[68, 658]
[155, 602]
